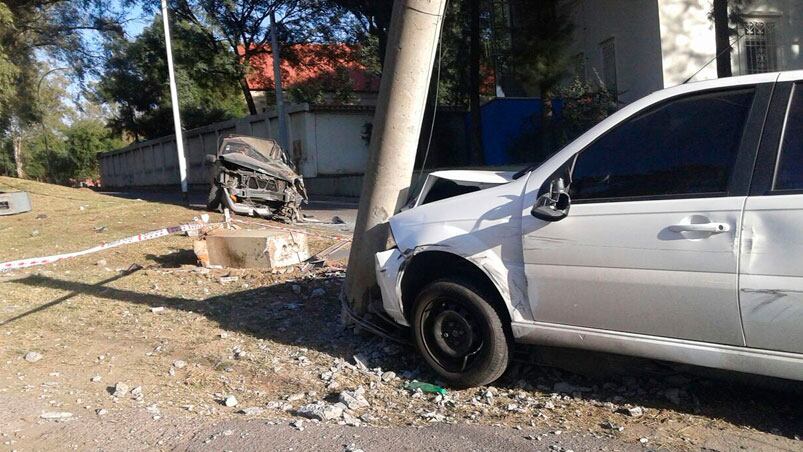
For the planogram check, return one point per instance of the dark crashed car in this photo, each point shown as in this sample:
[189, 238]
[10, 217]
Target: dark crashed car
[253, 176]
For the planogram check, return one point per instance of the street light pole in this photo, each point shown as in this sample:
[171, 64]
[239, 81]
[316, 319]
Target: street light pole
[182, 162]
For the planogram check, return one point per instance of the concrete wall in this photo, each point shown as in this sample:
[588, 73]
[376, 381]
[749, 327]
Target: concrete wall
[687, 40]
[323, 141]
[329, 145]
[634, 27]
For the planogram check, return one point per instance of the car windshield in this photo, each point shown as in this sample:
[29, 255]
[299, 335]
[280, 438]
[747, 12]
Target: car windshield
[248, 151]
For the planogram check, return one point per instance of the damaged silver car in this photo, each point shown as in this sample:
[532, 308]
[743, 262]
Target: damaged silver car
[254, 176]
[670, 231]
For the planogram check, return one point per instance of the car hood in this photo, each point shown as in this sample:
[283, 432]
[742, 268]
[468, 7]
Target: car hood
[471, 222]
[275, 169]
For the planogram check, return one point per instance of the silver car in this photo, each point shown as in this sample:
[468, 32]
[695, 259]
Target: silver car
[672, 230]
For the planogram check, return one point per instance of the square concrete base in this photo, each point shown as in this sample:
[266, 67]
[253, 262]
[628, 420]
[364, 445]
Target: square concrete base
[246, 248]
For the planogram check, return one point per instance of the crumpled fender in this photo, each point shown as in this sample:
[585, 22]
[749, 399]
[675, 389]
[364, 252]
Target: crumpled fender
[504, 277]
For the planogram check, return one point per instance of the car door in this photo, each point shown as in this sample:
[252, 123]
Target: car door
[649, 245]
[771, 271]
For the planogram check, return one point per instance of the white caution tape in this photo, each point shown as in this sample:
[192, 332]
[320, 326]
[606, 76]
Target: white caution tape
[24, 263]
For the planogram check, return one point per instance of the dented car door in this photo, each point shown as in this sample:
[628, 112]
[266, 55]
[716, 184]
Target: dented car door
[771, 276]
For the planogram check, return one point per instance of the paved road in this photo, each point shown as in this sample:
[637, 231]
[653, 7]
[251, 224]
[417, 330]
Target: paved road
[321, 208]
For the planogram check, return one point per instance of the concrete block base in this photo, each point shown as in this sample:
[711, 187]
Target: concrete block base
[245, 248]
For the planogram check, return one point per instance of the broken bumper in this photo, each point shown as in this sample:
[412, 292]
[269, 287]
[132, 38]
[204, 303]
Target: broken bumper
[388, 275]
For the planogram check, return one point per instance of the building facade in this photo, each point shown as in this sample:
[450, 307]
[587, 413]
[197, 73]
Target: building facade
[635, 47]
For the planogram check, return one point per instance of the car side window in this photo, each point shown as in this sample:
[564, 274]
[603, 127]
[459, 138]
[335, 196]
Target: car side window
[789, 173]
[686, 146]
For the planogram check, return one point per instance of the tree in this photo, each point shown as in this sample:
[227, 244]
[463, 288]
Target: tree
[34, 30]
[727, 16]
[538, 56]
[135, 74]
[374, 18]
[242, 27]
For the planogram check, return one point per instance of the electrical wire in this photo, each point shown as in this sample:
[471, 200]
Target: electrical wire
[730, 46]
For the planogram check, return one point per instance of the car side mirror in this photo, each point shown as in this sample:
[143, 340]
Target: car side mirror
[210, 159]
[554, 205]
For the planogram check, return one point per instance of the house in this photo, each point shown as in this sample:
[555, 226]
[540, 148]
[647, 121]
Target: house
[328, 72]
[635, 47]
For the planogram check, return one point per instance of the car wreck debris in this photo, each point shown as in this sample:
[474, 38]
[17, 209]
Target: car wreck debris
[14, 202]
[253, 176]
[249, 248]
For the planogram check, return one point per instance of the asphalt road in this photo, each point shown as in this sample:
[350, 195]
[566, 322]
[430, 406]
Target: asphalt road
[320, 208]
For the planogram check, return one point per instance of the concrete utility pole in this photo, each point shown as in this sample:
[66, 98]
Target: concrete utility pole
[277, 82]
[412, 43]
[182, 161]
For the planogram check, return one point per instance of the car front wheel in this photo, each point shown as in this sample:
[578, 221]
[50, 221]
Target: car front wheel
[460, 335]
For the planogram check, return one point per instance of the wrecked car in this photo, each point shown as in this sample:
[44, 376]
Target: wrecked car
[254, 176]
[669, 231]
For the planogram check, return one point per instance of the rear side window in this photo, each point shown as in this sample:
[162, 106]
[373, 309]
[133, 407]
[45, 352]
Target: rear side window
[789, 175]
[687, 146]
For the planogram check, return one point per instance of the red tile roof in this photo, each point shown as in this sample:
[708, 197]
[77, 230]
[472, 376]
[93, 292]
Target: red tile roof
[306, 62]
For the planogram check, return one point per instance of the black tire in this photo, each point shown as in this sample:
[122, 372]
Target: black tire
[479, 348]
[213, 200]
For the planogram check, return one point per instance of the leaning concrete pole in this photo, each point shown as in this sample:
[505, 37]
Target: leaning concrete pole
[412, 43]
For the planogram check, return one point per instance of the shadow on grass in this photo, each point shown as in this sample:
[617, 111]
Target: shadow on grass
[279, 314]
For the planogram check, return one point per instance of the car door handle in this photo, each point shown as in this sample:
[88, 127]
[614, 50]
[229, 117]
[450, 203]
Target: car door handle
[714, 228]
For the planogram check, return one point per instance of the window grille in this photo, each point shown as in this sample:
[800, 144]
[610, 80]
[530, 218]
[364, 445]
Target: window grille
[760, 48]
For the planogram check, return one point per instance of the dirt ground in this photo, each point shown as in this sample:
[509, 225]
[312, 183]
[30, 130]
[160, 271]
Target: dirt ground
[184, 340]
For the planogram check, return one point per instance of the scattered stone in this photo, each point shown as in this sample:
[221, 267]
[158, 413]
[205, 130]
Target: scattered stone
[34, 233]
[432, 416]
[101, 263]
[230, 401]
[179, 364]
[298, 424]
[295, 397]
[643, 440]
[388, 376]
[352, 448]
[354, 400]
[252, 411]
[635, 411]
[56, 415]
[95, 379]
[611, 426]
[33, 357]
[228, 279]
[101, 411]
[322, 411]
[157, 309]
[137, 392]
[361, 361]
[120, 389]
[350, 420]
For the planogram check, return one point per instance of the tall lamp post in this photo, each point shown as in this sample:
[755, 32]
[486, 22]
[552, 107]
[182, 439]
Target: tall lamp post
[182, 162]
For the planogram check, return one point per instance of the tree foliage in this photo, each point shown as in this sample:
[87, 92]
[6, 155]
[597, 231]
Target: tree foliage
[135, 81]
